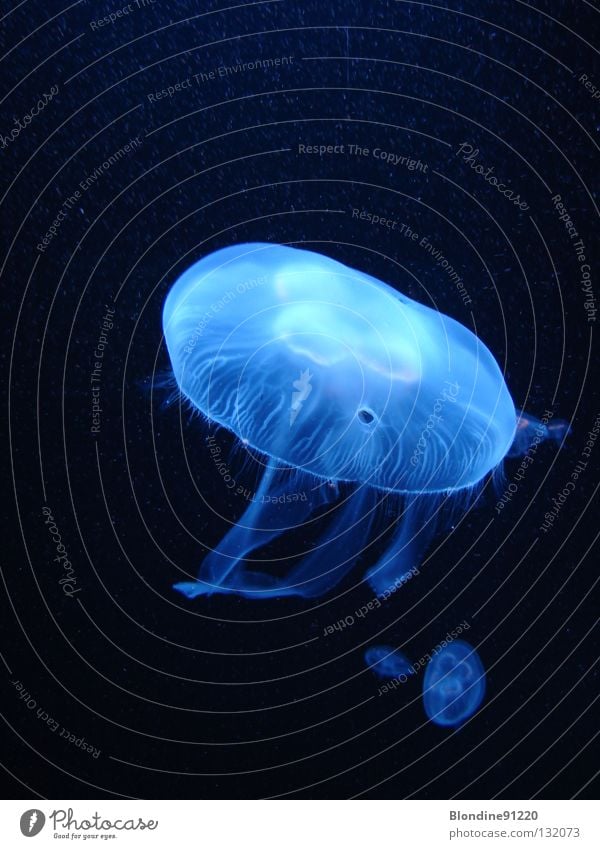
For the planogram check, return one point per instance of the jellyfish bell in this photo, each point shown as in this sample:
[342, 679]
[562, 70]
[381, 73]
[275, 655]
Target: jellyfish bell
[332, 376]
[381, 374]
[454, 684]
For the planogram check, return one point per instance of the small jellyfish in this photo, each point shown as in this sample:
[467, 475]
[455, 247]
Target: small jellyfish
[386, 662]
[332, 377]
[454, 684]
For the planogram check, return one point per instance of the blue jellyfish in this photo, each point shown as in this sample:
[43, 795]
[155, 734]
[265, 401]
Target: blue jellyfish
[454, 684]
[531, 431]
[331, 376]
[386, 662]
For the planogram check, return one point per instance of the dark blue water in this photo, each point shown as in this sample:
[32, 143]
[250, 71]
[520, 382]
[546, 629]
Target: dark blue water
[113, 684]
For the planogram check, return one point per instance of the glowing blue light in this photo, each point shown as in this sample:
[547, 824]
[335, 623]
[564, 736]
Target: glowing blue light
[454, 684]
[332, 376]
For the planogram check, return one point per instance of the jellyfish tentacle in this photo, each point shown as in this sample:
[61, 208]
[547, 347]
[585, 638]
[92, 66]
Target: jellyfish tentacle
[531, 431]
[416, 527]
[272, 511]
[337, 553]
[316, 573]
[328, 562]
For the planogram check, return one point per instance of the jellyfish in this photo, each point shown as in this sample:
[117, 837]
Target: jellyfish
[386, 662]
[454, 684]
[333, 380]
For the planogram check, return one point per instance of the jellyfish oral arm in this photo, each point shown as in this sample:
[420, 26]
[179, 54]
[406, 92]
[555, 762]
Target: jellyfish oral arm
[415, 529]
[223, 568]
[453, 685]
[226, 569]
[531, 432]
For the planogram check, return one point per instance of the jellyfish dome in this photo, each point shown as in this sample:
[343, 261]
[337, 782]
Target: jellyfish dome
[331, 376]
[453, 685]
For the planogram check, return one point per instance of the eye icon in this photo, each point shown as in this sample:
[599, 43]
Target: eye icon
[32, 822]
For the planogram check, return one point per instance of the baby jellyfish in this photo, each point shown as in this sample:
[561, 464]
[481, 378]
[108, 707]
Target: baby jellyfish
[386, 662]
[454, 684]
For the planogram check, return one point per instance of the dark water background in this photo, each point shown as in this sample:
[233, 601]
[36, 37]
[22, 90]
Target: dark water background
[226, 697]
